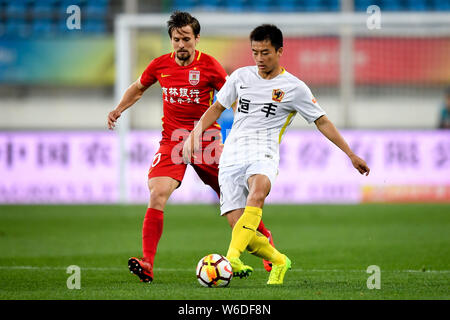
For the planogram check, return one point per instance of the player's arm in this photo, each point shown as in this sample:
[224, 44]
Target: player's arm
[327, 128]
[192, 143]
[131, 95]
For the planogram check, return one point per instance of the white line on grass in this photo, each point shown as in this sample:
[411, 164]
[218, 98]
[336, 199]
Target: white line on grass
[193, 269]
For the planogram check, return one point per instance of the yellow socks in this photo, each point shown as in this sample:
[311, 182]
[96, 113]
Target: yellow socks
[244, 231]
[259, 246]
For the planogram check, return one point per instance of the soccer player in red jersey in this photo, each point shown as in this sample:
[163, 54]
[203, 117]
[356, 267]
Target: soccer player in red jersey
[188, 79]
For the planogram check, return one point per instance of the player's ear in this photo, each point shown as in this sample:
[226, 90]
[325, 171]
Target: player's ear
[280, 52]
[197, 39]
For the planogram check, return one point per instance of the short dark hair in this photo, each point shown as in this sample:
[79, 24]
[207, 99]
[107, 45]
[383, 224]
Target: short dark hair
[268, 32]
[180, 19]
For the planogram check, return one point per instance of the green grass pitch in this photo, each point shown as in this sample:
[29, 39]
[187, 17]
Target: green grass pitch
[330, 246]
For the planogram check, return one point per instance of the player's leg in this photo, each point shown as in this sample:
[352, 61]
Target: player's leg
[260, 177]
[259, 245]
[208, 173]
[233, 195]
[232, 218]
[161, 189]
[245, 228]
[212, 148]
[164, 177]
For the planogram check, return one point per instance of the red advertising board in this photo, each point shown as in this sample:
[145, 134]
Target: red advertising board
[377, 60]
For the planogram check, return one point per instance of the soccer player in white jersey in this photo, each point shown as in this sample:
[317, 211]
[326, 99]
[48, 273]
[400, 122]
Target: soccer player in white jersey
[268, 98]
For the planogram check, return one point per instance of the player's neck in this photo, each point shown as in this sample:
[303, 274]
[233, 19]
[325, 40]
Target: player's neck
[271, 74]
[184, 63]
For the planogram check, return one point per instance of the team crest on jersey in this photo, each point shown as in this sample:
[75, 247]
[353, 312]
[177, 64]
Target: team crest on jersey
[277, 95]
[194, 77]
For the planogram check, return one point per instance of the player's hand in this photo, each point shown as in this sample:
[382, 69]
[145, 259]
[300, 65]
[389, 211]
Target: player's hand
[190, 148]
[112, 118]
[360, 164]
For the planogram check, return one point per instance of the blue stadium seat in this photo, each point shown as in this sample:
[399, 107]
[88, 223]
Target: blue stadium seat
[440, 5]
[184, 4]
[210, 5]
[416, 5]
[362, 5]
[236, 5]
[64, 4]
[333, 5]
[262, 5]
[391, 5]
[62, 28]
[93, 26]
[16, 8]
[43, 9]
[313, 5]
[17, 28]
[97, 8]
[289, 5]
[43, 27]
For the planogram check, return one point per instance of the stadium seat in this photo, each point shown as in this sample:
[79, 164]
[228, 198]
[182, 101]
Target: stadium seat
[313, 5]
[262, 6]
[210, 5]
[94, 26]
[17, 28]
[333, 5]
[362, 5]
[184, 4]
[64, 4]
[43, 27]
[62, 28]
[43, 9]
[235, 5]
[391, 5]
[416, 5]
[440, 5]
[290, 6]
[97, 8]
[16, 9]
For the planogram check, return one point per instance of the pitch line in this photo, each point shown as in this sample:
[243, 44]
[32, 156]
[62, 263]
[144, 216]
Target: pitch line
[193, 269]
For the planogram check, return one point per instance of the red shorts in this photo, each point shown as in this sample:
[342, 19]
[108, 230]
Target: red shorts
[168, 162]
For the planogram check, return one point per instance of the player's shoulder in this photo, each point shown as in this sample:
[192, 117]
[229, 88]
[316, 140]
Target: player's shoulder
[164, 57]
[206, 58]
[244, 72]
[294, 81]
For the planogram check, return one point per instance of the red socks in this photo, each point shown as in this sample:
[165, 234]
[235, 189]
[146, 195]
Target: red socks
[263, 230]
[151, 233]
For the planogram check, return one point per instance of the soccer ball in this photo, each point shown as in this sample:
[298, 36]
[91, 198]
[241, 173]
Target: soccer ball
[214, 270]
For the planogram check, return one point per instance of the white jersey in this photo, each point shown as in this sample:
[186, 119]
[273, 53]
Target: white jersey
[264, 110]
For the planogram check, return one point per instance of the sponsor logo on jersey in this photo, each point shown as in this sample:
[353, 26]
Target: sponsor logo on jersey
[164, 75]
[277, 95]
[194, 77]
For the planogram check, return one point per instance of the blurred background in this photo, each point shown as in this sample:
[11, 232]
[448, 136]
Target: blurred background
[381, 73]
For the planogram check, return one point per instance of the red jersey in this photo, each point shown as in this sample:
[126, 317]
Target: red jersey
[187, 91]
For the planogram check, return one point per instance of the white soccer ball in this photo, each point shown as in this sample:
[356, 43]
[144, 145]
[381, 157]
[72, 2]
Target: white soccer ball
[214, 270]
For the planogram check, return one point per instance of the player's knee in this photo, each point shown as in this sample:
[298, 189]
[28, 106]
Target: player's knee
[158, 197]
[257, 197]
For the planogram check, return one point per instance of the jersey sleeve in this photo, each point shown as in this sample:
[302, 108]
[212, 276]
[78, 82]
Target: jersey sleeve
[228, 94]
[148, 77]
[306, 104]
[219, 76]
